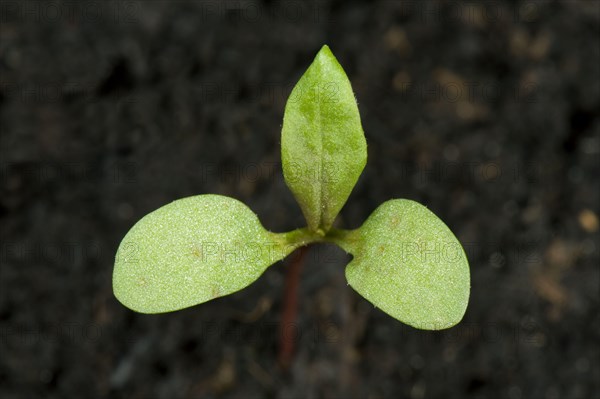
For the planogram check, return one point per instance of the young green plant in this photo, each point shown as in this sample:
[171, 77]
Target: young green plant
[406, 261]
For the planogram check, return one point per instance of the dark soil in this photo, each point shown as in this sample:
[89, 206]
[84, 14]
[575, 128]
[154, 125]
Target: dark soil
[485, 112]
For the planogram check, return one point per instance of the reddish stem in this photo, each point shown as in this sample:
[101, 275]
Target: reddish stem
[287, 327]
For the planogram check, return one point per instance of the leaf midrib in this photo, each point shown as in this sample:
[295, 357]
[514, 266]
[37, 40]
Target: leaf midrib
[320, 166]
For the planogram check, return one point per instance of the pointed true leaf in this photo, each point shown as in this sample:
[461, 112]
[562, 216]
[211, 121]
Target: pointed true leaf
[323, 148]
[408, 263]
[191, 251]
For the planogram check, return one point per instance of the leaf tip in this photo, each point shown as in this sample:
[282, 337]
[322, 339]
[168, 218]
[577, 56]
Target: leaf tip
[325, 54]
[325, 48]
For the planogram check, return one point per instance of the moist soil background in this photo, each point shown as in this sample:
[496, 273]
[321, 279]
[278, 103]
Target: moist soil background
[486, 112]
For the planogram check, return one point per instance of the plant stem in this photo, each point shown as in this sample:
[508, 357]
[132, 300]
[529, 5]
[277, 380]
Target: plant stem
[287, 327]
[347, 239]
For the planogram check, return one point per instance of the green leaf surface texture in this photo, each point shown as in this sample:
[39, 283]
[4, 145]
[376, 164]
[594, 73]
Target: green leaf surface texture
[323, 148]
[191, 251]
[408, 263]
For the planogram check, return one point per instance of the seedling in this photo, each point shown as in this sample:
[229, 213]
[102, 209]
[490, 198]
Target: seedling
[406, 261]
